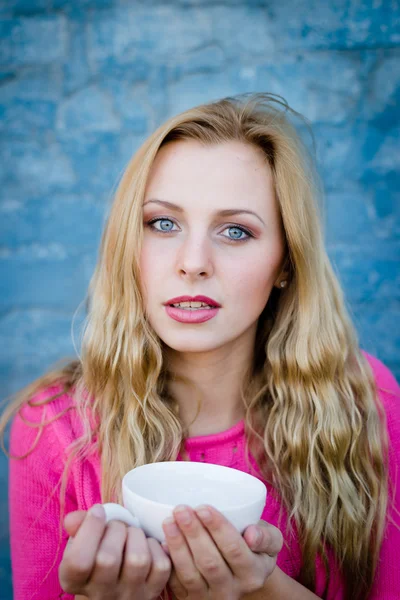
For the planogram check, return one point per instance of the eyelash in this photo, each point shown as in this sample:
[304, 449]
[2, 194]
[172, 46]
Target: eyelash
[231, 225]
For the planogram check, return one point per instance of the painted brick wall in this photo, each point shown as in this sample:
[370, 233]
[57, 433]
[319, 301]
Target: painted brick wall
[82, 82]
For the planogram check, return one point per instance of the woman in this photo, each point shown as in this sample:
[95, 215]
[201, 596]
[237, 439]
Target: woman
[216, 331]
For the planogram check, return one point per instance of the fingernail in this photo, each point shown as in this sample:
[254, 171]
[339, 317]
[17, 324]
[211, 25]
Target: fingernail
[171, 528]
[182, 515]
[204, 513]
[97, 511]
[257, 537]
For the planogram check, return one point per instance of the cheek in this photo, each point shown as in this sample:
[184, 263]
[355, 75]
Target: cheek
[153, 263]
[249, 285]
[252, 280]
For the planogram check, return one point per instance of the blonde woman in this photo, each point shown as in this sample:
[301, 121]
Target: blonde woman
[216, 331]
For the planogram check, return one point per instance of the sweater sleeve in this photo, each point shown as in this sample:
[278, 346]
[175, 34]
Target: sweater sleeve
[387, 580]
[37, 541]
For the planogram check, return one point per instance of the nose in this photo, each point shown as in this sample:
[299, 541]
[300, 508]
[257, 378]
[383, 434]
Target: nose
[194, 260]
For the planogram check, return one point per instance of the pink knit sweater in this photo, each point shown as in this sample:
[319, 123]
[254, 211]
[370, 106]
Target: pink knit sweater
[35, 508]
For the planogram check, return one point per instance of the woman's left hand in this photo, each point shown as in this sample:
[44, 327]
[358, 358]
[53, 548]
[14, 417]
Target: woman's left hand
[212, 560]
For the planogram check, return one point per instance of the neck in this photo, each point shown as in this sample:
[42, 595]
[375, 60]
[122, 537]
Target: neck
[208, 395]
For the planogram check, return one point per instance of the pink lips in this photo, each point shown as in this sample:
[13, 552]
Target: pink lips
[204, 299]
[192, 316]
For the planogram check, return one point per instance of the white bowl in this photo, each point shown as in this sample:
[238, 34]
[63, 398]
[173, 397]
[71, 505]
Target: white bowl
[151, 492]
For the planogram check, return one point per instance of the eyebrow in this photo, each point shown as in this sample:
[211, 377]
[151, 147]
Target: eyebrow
[226, 212]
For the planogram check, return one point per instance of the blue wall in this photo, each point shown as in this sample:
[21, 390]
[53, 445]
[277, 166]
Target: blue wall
[83, 82]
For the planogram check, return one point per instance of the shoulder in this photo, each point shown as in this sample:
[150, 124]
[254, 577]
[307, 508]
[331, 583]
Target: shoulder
[42, 437]
[384, 378]
[387, 387]
[388, 391]
[46, 422]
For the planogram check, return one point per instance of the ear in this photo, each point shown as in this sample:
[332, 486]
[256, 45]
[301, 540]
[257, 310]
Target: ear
[282, 281]
[283, 278]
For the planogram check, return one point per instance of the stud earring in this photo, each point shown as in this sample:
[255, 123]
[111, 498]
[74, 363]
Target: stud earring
[283, 283]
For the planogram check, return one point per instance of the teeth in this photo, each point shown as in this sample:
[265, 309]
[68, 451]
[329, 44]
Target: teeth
[191, 305]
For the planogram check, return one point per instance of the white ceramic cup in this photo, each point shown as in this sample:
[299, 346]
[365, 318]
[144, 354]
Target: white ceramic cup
[151, 492]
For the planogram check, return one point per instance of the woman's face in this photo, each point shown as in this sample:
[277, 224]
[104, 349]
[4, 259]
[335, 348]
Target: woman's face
[194, 247]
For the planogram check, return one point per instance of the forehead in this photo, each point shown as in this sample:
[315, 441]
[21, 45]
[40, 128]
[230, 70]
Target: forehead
[193, 153]
[232, 170]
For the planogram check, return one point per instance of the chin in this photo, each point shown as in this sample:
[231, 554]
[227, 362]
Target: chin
[190, 345]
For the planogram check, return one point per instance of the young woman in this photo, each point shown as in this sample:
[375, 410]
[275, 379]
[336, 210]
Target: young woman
[216, 331]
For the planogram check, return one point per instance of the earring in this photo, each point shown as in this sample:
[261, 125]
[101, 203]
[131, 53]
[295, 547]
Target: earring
[283, 283]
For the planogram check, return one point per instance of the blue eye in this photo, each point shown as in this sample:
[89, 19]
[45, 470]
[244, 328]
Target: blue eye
[237, 233]
[166, 226]
[163, 222]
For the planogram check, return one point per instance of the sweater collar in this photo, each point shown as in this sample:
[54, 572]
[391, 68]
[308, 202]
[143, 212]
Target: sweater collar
[232, 434]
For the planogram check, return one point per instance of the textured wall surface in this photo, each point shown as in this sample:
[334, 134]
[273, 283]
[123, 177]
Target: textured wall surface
[82, 82]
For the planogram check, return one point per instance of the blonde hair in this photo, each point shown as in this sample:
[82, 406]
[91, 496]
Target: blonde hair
[313, 419]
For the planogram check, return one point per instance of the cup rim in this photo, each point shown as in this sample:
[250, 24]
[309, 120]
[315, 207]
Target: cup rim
[258, 483]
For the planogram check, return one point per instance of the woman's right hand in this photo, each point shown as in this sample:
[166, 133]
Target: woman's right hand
[111, 560]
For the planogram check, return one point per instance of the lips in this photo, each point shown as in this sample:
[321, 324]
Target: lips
[204, 299]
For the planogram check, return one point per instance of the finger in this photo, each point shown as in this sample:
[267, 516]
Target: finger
[79, 556]
[160, 568]
[264, 538]
[176, 587]
[228, 540]
[206, 555]
[165, 548]
[182, 560]
[109, 556]
[137, 559]
[73, 521]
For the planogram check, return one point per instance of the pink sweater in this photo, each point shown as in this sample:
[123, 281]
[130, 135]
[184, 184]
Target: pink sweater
[35, 509]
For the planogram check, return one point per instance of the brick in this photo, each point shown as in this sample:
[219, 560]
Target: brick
[76, 71]
[368, 272]
[305, 24]
[24, 117]
[32, 341]
[132, 103]
[71, 222]
[325, 87]
[89, 109]
[387, 156]
[32, 40]
[384, 192]
[35, 83]
[36, 167]
[382, 94]
[198, 88]
[23, 6]
[81, 5]
[124, 34]
[208, 59]
[243, 30]
[28, 101]
[97, 159]
[43, 276]
[350, 216]
[334, 100]
[339, 152]
[379, 332]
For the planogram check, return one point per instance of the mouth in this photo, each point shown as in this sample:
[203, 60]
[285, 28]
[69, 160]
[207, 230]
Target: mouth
[192, 303]
[192, 311]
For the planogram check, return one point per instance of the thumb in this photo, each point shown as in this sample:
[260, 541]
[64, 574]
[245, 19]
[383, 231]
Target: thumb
[264, 538]
[73, 521]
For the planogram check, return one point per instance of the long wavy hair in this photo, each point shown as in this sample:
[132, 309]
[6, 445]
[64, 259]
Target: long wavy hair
[313, 418]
